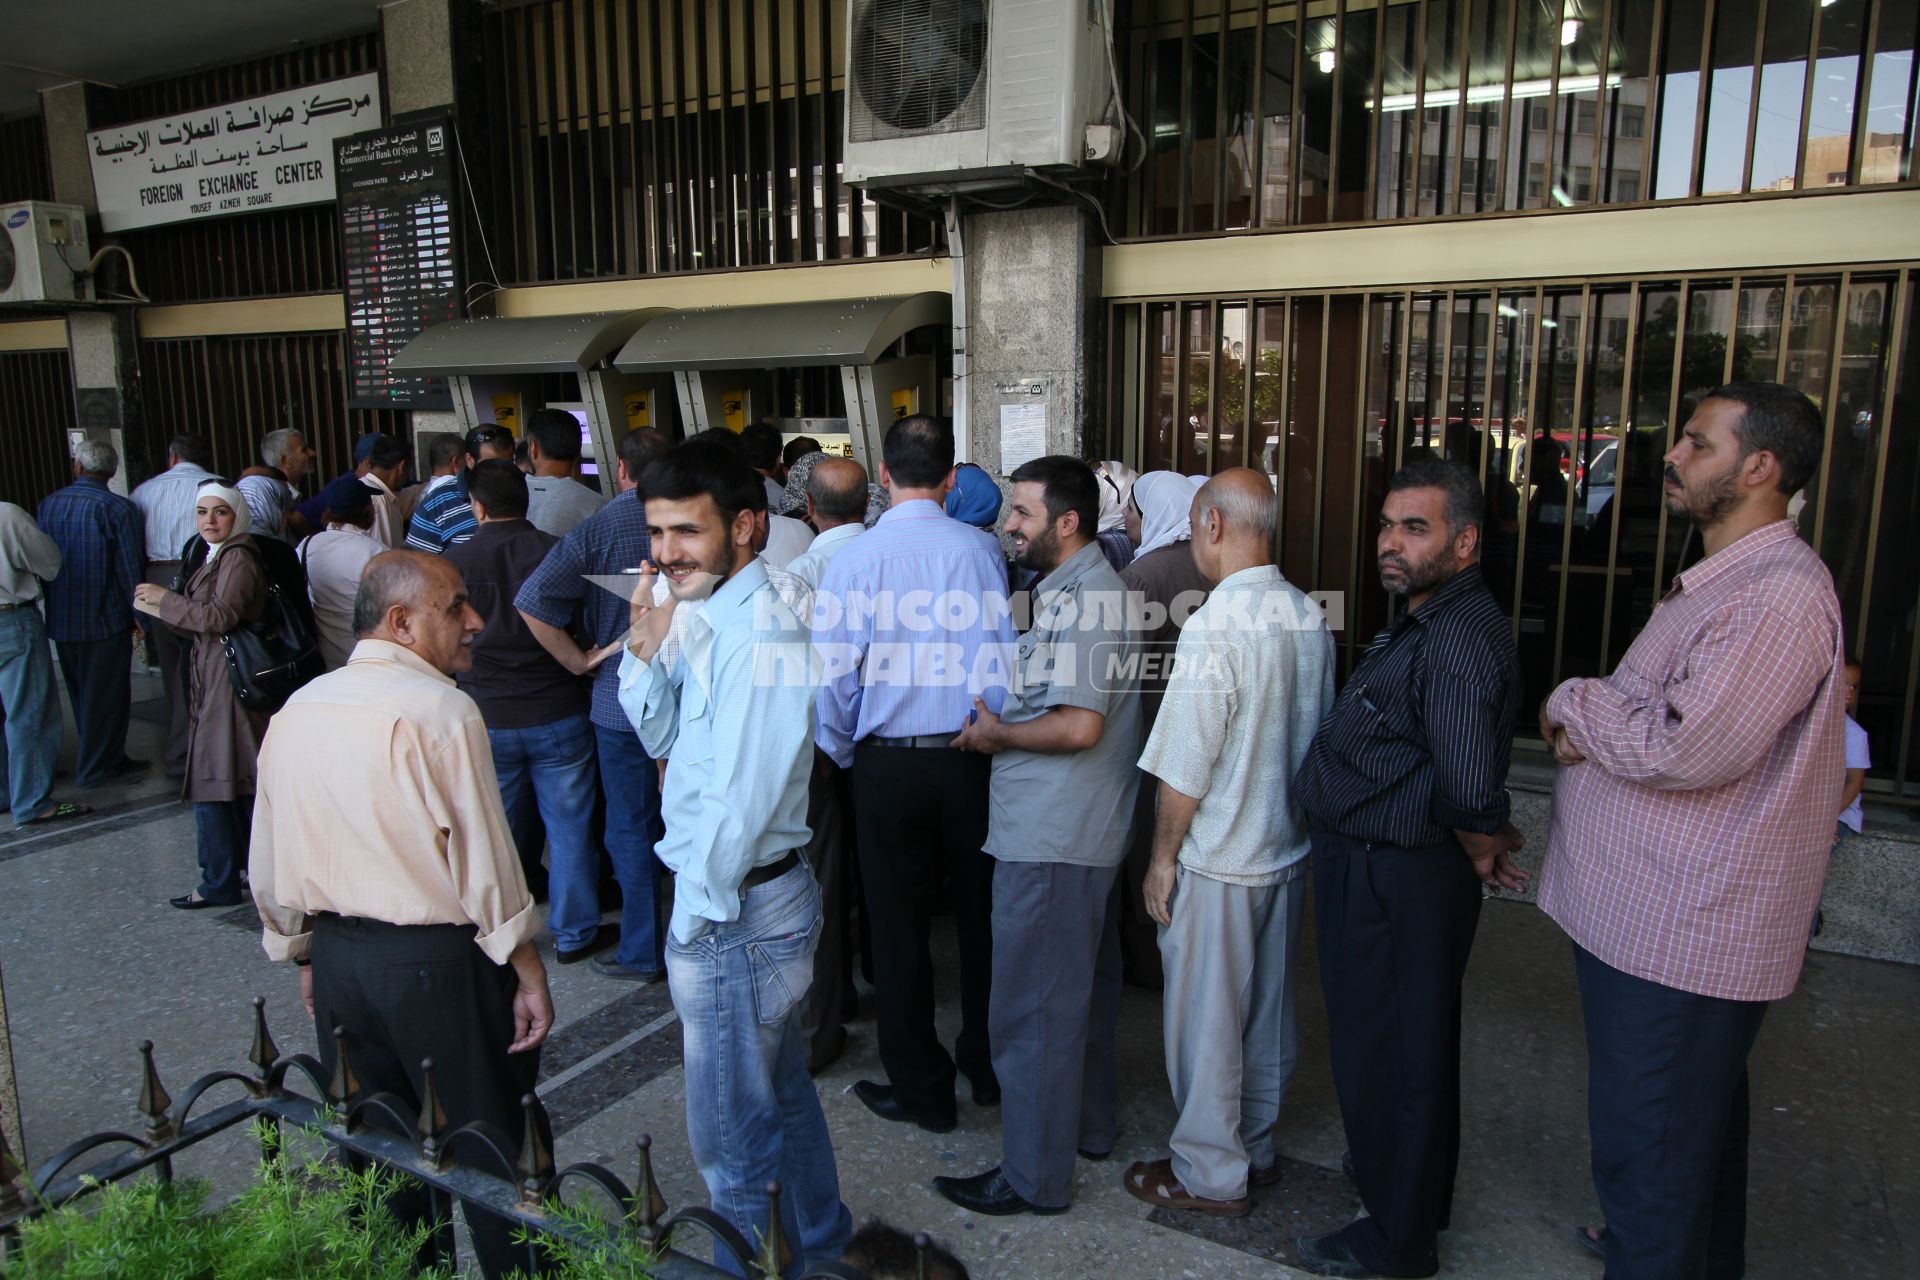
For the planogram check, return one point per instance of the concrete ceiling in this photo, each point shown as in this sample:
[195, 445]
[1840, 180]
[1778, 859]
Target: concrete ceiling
[116, 42]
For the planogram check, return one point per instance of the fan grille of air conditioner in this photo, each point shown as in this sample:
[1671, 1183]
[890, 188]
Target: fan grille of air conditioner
[919, 68]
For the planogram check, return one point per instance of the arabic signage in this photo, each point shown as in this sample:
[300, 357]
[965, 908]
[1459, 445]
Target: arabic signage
[397, 255]
[270, 152]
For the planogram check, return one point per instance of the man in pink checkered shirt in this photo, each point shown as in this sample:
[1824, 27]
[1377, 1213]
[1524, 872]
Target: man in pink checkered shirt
[1691, 827]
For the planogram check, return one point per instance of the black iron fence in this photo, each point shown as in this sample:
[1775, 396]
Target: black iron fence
[380, 1128]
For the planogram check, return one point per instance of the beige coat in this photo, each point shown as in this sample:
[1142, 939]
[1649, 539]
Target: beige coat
[223, 740]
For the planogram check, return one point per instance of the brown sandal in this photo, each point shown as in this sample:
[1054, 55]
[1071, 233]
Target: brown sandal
[1152, 1181]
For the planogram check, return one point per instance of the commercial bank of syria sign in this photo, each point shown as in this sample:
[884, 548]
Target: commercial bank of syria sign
[270, 152]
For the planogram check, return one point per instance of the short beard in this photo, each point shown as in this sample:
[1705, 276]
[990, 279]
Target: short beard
[1423, 575]
[1043, 553]
[1711, 504]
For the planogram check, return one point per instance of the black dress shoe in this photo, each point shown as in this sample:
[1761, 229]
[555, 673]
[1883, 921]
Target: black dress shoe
[188, 902]
[1328, 1255]
[1346, 1167]
[985, 1092]
[988, 1193]
[879, 1099]
[603, 937]
[1095, 1156]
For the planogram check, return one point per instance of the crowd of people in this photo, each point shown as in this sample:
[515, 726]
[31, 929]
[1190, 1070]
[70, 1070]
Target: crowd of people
[796, 712]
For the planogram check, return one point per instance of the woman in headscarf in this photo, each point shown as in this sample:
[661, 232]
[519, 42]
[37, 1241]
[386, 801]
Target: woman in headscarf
[795, 503]
[227, 589]
[1164, 576]
[1116, 491]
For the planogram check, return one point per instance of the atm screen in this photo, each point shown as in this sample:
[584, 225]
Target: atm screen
[589, 465]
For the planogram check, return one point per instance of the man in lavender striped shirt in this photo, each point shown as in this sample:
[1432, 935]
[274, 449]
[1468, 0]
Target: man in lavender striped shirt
[913, 623]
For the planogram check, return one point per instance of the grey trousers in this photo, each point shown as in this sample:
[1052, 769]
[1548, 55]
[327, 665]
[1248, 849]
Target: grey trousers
[1052, 1020]
[1231, 1031]
[174, 656]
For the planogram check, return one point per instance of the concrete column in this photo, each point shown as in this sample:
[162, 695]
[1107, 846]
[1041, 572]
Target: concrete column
[102, 343]
[431, 46]
[1033, 290]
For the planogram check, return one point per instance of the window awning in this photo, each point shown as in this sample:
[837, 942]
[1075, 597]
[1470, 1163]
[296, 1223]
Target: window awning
[521, 344]
[849, 331]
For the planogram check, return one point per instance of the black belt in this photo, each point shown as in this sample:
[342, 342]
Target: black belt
[919, 740]
[18, 604]
[772, 871]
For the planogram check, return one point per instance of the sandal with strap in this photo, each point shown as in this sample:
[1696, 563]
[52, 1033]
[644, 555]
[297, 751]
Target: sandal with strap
[1593, 1240]
[65, 809]
[1152, 1181]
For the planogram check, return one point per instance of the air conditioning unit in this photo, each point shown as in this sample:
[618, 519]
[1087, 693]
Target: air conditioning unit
[954, 95]
[42, 245]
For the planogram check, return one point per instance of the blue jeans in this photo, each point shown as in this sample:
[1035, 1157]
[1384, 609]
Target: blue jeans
[752, 1113]
[555, 763]
[32, 740]
[631, 781]
[223, 831]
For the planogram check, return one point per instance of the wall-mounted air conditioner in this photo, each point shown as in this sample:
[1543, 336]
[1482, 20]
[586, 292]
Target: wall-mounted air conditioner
[42, 245]
[948, 95]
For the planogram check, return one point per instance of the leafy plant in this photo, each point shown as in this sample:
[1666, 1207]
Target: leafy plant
[317, 1221]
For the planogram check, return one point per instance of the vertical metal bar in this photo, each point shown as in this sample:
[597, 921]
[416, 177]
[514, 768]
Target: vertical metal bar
[589, 31]
[1182, 438]
[1464, 36]
[1830, 403]
[1150, 89]
[802, 153]
[750, 121]
[1806, 100]
[1786, 304]
[680, 204]
[1320, 440]
[1863, 92]
[1296, 141]
[1526, 466]
[1506, 127]
[729, 190]
[1703, 101]
[1220, 118]
[1214, 344]
[1333, 134]
[1551, 158]
[1356, 518]
[556, 209]
[1249, 379]
[1573, 476]
[1604, 125]
[1620, 471]
[1446, 376]
[1283, 429]
[1733, 331]
[1398, 382]
[576, 196]
[705, 240]
[1753, 96]
[1368, 195]
[641, 240]
[659, 146]
[1673, 412]
[1419, 130]
[830, 140]
[1185, 220]
[1889, 379]
[1256, 199]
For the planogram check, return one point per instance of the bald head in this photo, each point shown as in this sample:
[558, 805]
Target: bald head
[1233, 523]
[837, 493]
[418, 602]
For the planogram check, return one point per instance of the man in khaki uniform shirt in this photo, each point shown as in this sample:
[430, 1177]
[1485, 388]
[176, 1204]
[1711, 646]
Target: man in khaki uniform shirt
[382, 865]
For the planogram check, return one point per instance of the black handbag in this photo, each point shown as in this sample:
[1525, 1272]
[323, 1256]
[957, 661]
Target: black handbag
[269, 659]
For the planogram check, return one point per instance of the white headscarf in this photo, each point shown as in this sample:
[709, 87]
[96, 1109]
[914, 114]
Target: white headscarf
[1165, 499]
[1116, 486]
[238, 505]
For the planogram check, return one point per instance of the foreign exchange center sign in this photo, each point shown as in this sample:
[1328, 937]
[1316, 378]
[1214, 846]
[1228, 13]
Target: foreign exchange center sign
[270, 152]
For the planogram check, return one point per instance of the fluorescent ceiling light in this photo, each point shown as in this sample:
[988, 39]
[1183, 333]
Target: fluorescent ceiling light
[1324, 59]
[1569, 31]
[1494, 92]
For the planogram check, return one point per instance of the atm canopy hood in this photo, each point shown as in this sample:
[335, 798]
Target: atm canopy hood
[484, 345]
[849, 331]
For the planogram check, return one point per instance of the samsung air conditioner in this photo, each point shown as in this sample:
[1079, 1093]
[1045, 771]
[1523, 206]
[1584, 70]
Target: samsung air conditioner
[42, 245]
[956, 95]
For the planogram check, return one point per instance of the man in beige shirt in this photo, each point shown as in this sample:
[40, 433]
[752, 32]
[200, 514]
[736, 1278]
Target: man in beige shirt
[382, 865]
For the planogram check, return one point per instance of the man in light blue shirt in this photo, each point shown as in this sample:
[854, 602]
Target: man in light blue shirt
[732, 716]
[912, 624]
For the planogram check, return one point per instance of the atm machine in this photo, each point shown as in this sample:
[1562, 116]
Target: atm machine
[500, 369]
[720, 362]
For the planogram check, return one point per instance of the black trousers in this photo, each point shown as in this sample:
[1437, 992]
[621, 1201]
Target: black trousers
[921, 819]
[99, 679]
[408, 992]
[828, 850]
[1667, 1108]
[1395, 927]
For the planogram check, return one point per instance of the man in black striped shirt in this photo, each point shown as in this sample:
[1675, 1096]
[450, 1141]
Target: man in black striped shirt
[1405, 793]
